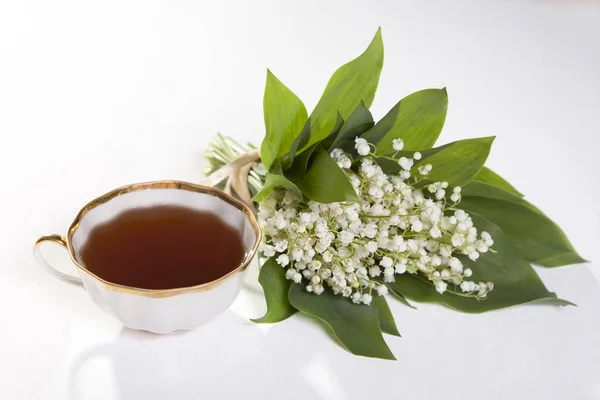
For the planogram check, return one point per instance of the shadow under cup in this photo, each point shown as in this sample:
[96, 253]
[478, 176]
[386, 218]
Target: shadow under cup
[166, 310]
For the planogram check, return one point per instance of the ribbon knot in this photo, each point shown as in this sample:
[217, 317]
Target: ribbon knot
[236, 173]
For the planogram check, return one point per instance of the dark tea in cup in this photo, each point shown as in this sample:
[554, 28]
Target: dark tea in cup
[162, 247]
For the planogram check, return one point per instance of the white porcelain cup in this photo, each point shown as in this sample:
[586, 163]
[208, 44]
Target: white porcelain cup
[167, 310]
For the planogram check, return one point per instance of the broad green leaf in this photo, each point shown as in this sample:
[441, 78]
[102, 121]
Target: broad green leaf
[276, 288]
[298, 143]
[275, 179]
[418, 289]
[325, 182]
[328, 141]
[383, 126]
[355, 326]
[284, 117]
[386, 319]
[534, 235]
[515, 281]
[456, 163]
[358, 122]
[400, 297]
[390, 166]
[302, 161]
[351, 83]
[552, 301]
[486, 175]
[417, 119]
[482, 189]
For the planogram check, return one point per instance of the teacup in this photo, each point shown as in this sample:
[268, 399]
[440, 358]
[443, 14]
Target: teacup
[165, 310]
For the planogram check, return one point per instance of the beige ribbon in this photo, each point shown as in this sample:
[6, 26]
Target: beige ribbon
[236, 173]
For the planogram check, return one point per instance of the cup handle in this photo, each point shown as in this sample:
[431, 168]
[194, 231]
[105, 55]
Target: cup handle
[73, 279]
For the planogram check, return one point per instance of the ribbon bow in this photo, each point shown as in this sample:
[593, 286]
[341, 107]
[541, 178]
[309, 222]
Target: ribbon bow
[236, 173]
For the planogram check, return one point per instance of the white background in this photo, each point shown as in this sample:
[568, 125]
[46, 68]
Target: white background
[97, 94]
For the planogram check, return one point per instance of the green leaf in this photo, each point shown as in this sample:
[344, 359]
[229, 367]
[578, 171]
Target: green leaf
[358, 122]
[298, 143]
[417, 119]
[458, 162]
[515, 281]
[389, 164]
[355, 326]
[302, 161]
[351, 83]
[325, 182]
[552, 301]
[276, 287]
[400, 297]
[486, 175]
[386, 319]
[418, 289]
[274, 180]
[328, 141]
[482, 189]
[301, 164]
[534, 235]
[284, 117]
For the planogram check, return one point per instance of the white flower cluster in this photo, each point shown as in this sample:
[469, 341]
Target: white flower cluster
[355, 248]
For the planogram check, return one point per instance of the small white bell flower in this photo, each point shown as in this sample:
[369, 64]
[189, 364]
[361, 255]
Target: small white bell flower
[397, 144]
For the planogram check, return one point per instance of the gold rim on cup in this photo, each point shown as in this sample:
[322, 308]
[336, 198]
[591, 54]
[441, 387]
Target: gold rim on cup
[167, 184]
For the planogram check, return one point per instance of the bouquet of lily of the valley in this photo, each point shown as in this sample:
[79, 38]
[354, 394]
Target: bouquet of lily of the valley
[354, 211]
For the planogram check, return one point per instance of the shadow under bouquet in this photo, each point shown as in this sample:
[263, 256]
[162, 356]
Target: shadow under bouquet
[355, 211]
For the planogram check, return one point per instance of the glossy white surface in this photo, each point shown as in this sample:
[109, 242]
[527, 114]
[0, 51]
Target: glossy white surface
[98, 94]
